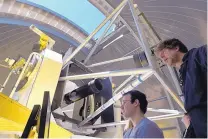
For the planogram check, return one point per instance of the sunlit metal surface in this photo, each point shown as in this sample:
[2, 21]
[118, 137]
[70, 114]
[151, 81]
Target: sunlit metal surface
[185, 20]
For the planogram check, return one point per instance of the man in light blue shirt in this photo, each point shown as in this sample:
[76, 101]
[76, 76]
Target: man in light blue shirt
[134, 106]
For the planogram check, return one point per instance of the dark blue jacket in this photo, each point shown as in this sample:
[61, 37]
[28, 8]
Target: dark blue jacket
[193, 73]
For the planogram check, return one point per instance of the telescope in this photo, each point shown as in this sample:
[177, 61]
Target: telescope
[101, 89]
[93, 87]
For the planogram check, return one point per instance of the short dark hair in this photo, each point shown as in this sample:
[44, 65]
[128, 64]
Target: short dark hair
[170, 44]
[135, 94]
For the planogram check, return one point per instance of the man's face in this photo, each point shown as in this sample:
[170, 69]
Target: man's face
[127, 108]
[168, 56]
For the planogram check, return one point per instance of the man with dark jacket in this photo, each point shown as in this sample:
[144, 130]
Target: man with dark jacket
[192, 66]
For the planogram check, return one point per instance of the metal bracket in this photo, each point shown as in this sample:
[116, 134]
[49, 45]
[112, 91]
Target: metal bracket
[39, 118]
[65, 118]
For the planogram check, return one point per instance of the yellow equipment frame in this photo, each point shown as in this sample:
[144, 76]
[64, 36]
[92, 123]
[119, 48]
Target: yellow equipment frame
[14, 116]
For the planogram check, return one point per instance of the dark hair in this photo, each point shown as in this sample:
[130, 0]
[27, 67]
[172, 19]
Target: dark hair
[141, 97]
[170, 44]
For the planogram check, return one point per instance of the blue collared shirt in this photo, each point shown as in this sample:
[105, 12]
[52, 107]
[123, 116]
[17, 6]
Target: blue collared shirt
[144, 129]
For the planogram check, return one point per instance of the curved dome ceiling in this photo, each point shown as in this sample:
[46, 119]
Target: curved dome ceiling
[16, 39]
[22, 12]
[182, 19]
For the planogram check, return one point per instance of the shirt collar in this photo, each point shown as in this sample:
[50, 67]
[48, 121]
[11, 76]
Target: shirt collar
[185, 57]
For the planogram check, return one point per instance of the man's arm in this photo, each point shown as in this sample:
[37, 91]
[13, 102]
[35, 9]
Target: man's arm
[201, 56]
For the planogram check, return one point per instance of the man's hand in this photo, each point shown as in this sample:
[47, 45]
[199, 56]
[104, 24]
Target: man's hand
[186, 120]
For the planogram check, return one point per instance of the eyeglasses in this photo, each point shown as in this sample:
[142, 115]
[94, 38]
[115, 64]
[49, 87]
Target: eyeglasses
[124, 101]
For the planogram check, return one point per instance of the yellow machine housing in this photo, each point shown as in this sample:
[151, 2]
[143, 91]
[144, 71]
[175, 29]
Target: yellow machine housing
[39, 74]
[14, 116]
[45, 78]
